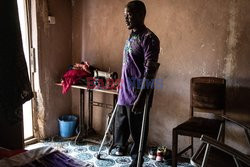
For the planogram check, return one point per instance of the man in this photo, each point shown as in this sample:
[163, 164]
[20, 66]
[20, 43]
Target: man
[140, 58]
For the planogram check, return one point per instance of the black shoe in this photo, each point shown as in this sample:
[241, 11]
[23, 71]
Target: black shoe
[118, 151]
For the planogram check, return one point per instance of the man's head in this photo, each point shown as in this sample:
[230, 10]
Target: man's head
[135, 12]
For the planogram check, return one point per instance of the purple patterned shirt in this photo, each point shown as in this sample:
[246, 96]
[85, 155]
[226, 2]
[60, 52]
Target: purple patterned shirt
[139, 48]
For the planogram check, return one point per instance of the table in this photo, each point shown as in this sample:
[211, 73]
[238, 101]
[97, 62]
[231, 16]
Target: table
[83, 130]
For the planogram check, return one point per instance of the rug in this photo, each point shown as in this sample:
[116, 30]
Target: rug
[88, 153]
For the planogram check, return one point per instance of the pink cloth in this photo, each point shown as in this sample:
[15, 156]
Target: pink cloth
[72, 77]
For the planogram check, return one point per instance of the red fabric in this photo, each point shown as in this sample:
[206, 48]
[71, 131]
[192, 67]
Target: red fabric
[9, 153]
[72, 77]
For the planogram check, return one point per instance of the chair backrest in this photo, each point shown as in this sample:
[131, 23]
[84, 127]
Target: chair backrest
[207, 93]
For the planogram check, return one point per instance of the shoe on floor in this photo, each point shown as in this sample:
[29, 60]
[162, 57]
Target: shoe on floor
[159, 154]
[118, 151]
[152, 153]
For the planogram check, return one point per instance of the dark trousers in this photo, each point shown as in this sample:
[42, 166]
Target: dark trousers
[11, 129]
[126, 123]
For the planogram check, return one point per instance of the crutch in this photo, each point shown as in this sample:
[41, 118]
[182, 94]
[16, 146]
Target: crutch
[144, 119]
[106, 132]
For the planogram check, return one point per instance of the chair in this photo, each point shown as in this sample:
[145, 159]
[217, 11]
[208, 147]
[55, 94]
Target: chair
[207, 94]
[213, 153]
[217, 154]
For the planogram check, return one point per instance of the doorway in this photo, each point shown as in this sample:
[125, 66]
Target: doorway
[27, 107]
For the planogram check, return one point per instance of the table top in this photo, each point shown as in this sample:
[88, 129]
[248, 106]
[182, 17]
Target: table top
[114, 92]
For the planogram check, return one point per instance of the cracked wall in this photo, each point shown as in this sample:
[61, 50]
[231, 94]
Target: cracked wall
[198, 38]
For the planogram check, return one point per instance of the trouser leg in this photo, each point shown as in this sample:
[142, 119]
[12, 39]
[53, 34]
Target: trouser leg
[135, 122]
[121, 129]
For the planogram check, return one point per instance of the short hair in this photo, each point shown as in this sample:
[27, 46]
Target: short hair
[138, 6]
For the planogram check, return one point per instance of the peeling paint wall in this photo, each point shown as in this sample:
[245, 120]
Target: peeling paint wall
[231, 41]
[237, 72]
[198, 38]
[54, 56]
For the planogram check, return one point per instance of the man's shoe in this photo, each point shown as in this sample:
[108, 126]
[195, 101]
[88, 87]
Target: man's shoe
[160, 154]
[118, 151]
[152, 153]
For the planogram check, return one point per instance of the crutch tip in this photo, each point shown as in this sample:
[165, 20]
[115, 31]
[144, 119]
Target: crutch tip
[98, 156]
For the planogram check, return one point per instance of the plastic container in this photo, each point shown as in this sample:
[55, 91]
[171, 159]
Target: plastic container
[67, 125]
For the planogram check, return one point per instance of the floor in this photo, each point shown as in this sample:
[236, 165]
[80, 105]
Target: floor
[89, 152]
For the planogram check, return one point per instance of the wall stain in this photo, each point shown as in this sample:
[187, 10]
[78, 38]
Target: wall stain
[232, 40]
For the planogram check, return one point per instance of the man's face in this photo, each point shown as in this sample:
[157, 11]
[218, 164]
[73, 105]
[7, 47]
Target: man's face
[132, 19]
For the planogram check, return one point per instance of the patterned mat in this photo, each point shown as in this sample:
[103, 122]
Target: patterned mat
[88, 153]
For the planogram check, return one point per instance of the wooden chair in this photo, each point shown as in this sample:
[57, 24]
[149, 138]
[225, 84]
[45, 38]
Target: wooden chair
[207, 94]
[217, 154]
[213, 153]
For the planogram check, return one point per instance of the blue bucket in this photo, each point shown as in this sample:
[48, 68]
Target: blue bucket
[67, 125]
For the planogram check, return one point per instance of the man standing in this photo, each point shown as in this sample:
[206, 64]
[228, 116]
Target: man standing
[140, 58]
